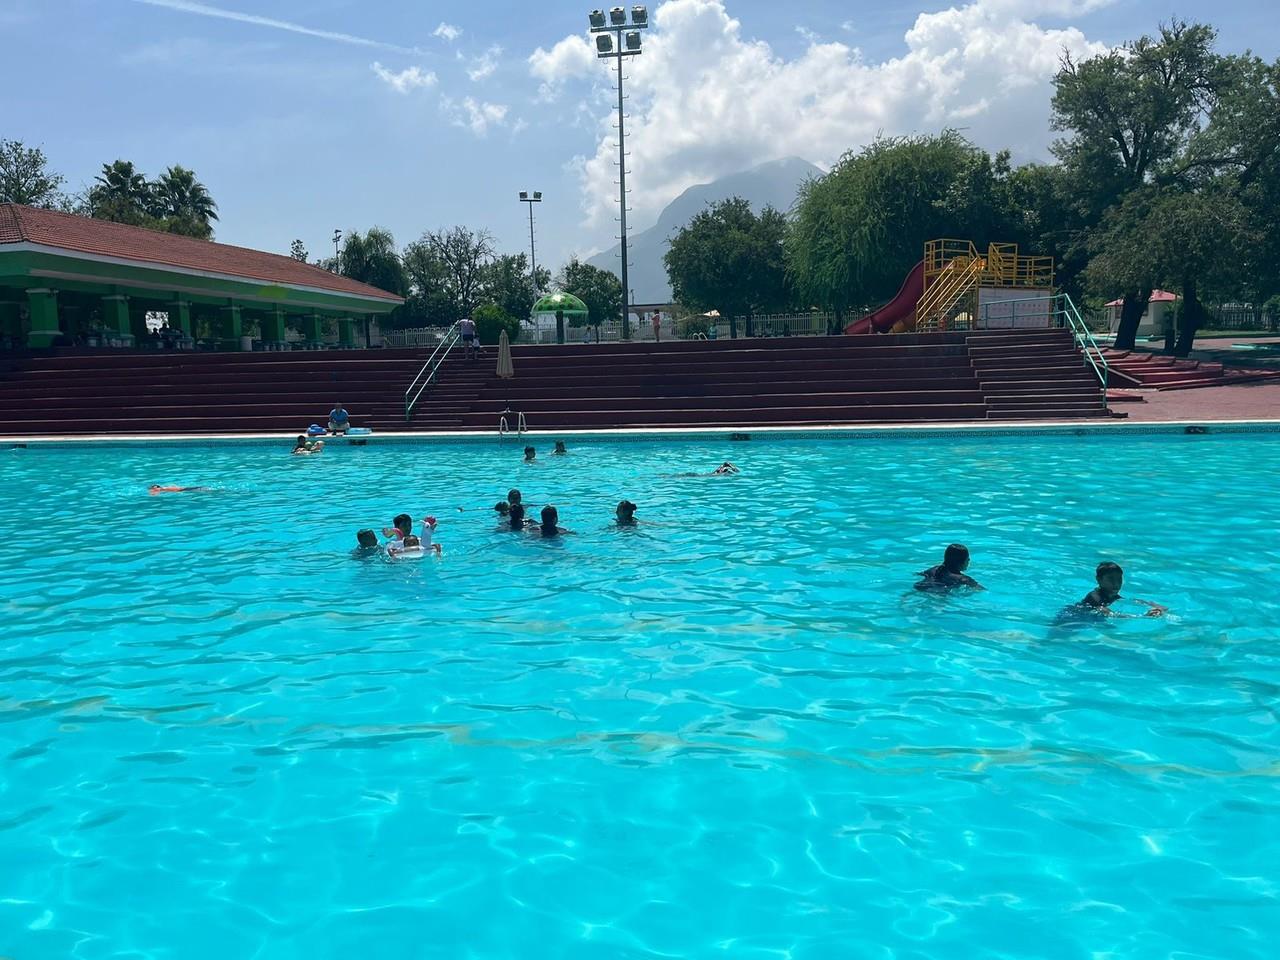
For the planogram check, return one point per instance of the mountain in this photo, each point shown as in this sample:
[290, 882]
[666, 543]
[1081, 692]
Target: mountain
[773, 183]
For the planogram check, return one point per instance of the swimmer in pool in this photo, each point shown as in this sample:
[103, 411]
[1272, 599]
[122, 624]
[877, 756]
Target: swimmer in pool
[366, 545]
[410, 546]
[725, 469]
[513, 496]
[626, 514]
[530, 454]
[551, 523]
[304, 447]
[403, 527]
[502, 508]
[515, 518]
[165, 488]
[950, 572]
[1110, 579]
[560, 449]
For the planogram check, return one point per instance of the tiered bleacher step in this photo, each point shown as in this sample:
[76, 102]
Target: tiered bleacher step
[902, 378]
[1163, 372]
[1034, 375]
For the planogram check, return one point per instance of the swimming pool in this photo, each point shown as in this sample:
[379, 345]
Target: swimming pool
[733, 732]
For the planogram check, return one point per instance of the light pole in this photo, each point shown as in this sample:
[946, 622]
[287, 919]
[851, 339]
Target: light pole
[607, 49]
[337, 238]
[531, 199]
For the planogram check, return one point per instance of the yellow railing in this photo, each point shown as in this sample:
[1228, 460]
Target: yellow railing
[953, 269]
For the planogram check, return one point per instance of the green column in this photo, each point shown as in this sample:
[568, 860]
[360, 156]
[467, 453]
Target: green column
[346, 332]
[232, 327]
[273, 326]
[180, 316]
[311, 331]
[115, 317]
[43, 306]
[10, 320]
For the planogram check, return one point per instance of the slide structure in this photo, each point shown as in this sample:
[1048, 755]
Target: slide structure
[900, 310]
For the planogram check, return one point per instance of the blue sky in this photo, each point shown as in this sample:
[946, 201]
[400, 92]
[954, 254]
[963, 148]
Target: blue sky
[306, 115]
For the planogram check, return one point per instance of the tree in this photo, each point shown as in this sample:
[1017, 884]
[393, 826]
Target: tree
[372, 258]
[506, 281]
[182, 203]
[25, 177]
[599, 289]
[858, 230]
[460, 256]
[298, 251]
[430, 303]
[1130, 114]
[491, 320]
[121, 194]
[731, 260]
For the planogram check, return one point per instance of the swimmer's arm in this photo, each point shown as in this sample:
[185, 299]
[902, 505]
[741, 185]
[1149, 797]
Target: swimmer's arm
[968, 581]
[1153, 609]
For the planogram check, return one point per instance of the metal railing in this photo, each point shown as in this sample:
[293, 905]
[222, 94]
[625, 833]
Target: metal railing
[1057, 311]
[430, 371]
[503, 428]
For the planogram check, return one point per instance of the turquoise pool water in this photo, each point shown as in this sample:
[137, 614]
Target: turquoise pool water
[735, 732]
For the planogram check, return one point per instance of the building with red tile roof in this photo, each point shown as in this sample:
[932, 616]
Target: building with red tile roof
[62, 275]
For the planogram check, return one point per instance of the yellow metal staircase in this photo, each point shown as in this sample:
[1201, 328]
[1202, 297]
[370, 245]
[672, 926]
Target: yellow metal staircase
[954, 272]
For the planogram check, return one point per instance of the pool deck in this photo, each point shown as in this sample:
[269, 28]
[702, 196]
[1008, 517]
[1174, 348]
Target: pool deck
[1245, 401]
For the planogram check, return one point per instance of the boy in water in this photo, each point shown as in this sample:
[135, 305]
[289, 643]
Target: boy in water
[502, 508]
[626, 514]
[530, 454]
[950, 573]
[403, 528]
[1110, 581]
[560, 448]
[551, 522]
[515, 517]
[368, 545]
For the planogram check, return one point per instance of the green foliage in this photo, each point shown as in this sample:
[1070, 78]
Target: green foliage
[491, 320]
[729, 259]
[372, 258]
[176, 202]
[507, 282]
[599, 289]
[859, 230]
[25, 177]
[298, 251]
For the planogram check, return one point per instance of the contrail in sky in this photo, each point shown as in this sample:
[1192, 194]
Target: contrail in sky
[204, 10]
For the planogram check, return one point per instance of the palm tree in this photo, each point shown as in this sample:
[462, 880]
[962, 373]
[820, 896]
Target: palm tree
[120, 193]
[183, 203]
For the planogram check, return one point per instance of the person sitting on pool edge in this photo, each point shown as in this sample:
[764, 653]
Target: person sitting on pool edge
[551, 523]
[626, 514]
[339, 419]
[530, 454]
[950, 573]
[1110, 579]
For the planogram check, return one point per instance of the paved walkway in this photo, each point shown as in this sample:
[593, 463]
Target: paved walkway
[1247, 401]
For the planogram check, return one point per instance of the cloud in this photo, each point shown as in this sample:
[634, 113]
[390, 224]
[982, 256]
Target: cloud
[205, 10]
[706, 100]
[485, 64]
[569, 59]
[474, 115]
[447, 32]
[808, 36]
[410, 78]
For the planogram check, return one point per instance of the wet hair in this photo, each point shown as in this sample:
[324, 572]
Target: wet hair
[955, 557]
[1107, 566]
[530, 453]
[402, 521]
[513, 496]
[627, 509]
[301, 441]
[517, 515]
[550, 516]
[502, 507]
[560, 447]
[366, 538]
[411, 541]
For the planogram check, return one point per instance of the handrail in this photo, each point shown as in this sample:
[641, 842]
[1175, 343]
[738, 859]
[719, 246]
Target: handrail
[503, 429]
[521, 427]
[1062, 309]
[1087, 344]
[430, 370]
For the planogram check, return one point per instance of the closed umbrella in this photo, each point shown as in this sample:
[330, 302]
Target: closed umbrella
[505, 370]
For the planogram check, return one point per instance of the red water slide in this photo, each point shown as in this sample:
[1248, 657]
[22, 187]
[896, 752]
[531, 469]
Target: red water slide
[902, 306]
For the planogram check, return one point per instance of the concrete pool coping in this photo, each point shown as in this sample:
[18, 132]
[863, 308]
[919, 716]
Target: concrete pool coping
[741, 433]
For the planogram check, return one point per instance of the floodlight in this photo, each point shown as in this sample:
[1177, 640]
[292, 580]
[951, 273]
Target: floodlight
[639, 16]
[597, 18]
[524, 194]
[618, 16]
[537, 194]
[633, 39]
[604, 43]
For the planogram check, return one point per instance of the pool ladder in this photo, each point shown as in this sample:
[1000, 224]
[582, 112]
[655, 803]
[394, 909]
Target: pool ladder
[504, 428]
